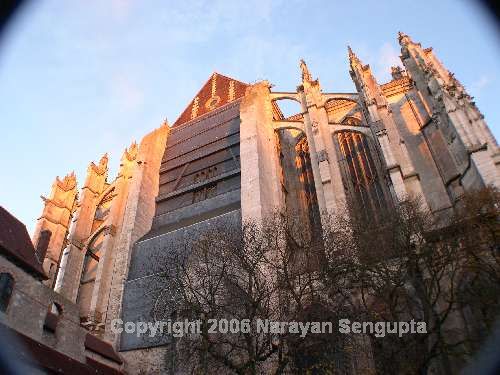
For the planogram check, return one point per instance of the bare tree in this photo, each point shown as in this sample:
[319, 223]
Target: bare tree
[405, 266]
[476, 228]
[400, 265]
[240, 275]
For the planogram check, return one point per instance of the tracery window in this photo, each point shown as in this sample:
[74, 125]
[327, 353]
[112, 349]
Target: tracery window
[361, 176]
[303, 164]
[89, 271]
[205, 191]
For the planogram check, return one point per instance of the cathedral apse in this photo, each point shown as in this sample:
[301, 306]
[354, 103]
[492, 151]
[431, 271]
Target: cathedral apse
[232, 155]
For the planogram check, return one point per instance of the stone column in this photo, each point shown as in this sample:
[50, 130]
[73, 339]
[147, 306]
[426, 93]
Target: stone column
[56, 217]
[138, 216]
[330, 186]
[70, 270]
[335, 195]
[261, 194]
[100, 294]
[320, 175]
[384, 127]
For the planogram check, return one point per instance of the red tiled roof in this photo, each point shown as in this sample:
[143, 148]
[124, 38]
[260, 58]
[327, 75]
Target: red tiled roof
[15, 243]
[215, 93]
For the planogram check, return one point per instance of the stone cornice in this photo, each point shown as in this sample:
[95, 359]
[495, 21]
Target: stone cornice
[56, 222]
[396, 87]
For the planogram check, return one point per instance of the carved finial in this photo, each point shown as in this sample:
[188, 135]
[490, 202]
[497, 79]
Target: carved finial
[397, 72]
[165, 122]
[306, 76]
[231, 92]
[214, 84]
[131, 152]
[70, 178]
[194, 108]
[104, 160]
[353, 59]
[67, 183]
[102, 167]
[349, 50]
[403, 38]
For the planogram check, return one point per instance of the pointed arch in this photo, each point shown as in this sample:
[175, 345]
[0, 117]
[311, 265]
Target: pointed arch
[362, 175]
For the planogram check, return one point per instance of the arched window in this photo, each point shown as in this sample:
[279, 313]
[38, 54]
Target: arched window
[364, 182]
[6, 287]
[89, 270]
[306, 179]
[351, 121]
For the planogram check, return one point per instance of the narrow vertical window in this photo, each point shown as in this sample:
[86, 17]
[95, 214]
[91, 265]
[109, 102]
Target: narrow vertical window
[362, 179]
[6, 287]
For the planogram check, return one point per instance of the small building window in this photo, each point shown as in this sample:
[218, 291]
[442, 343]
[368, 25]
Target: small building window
[52, 318]
[6, 287]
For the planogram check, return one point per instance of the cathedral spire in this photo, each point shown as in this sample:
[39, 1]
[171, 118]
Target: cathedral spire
[365, 81]
[306, 75]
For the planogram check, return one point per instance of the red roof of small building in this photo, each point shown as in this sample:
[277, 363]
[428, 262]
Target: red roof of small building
[15, 244]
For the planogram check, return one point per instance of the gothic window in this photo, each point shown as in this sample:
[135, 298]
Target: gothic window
[205, 174]
[102, 209]
[199, 177]
[6, 287]
[361, 176]
[205, 192]
[90, 264]
[351, 121]
[306, 178]
[303, 163]
[89, 271]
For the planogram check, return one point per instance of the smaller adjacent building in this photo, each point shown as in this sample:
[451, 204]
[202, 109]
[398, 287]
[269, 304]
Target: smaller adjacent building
[40, 329]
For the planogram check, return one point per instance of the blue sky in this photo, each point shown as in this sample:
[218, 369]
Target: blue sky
[81, 78]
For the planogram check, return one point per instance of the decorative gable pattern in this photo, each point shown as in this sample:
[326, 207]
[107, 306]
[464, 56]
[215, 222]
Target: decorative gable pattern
[217, 91]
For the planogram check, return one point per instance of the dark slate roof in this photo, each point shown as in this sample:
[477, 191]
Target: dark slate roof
[214, 94]
[16, 245]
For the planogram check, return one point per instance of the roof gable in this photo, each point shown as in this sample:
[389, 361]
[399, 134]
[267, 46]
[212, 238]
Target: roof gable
[16, 244]
[216, 92]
